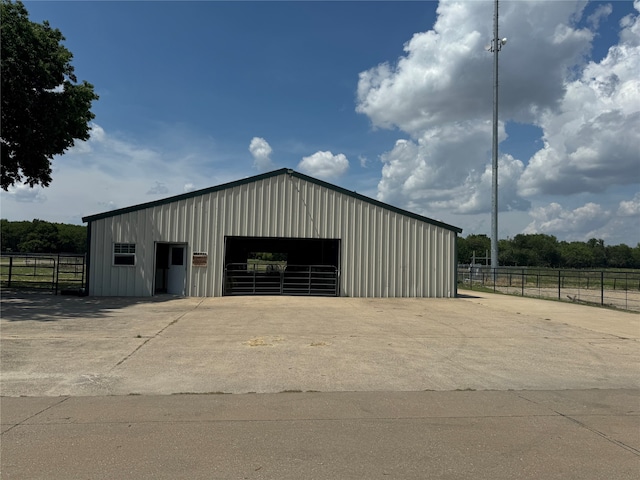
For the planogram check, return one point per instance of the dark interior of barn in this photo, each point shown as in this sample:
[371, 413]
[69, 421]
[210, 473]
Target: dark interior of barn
[281, 266]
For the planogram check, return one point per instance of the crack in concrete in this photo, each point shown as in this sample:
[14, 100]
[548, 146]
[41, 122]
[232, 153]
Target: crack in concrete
[34, 415]
[629, 448]
[172, 322]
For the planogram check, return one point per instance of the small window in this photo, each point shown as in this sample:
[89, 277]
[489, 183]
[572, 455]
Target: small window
[177, 256]
[124, 253]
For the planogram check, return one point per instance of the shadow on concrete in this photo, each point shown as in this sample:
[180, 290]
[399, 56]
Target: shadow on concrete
[19, 305]
[464, 295]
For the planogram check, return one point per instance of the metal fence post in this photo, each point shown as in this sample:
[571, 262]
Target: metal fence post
[626, 290]
[54, 275]
[495, 271]
[281, 274]
[10, 271]
[559, 281]
[523, 282]
[601, 287]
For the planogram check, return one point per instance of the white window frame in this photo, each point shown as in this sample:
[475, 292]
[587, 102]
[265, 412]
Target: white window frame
[122, 251]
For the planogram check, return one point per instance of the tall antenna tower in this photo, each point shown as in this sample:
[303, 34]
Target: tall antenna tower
[496, 45]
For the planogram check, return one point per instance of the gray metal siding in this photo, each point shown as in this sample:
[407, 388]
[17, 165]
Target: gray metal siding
[383, 253]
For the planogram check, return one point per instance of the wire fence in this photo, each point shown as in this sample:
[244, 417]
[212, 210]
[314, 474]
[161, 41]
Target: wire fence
[610, 288]
[56, 273]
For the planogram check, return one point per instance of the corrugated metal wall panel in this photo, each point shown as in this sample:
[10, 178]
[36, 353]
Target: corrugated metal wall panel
[383, 253]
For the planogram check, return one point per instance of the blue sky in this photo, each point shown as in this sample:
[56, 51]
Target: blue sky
[391, 99]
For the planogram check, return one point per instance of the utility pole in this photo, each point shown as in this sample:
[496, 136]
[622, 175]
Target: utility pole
[496, 46]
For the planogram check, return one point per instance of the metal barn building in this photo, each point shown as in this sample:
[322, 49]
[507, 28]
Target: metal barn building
[321, 240]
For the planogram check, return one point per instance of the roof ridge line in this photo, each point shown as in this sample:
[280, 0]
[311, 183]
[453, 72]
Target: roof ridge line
[263, 176]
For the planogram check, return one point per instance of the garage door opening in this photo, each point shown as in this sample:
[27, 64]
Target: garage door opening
[281, 266]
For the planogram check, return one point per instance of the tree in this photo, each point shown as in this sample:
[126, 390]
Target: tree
[537, 250]
[44, 109]
[40, 236]
[43, 238]
[576, 255]
[478, 244]
[71, 238]
[481, 246]
[636, 256]
[13, 233]
[619, 256]
[464, 254]
[599, 254]
[506, 253]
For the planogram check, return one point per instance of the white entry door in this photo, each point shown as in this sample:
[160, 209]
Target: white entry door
[177, 275]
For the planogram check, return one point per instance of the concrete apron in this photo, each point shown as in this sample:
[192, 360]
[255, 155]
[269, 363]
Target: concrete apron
[114, 346]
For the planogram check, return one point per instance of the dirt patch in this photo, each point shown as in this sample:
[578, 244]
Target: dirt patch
[263, 342]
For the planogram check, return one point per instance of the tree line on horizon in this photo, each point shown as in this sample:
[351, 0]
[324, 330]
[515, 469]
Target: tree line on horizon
[541, 250]
[40, 236]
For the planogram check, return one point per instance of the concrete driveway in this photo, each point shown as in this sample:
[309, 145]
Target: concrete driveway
[114, 346]
[526, 389]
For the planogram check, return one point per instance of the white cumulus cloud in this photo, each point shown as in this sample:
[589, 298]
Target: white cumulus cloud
[592, 141]
[439, 93]
[602, 12]
[554, 219]
[446, 73]
[261, 152]
[158, 188]
[590, 220]
[324, 165]
[445, 169]
[474, 198]
[631, 208]
[25, 194]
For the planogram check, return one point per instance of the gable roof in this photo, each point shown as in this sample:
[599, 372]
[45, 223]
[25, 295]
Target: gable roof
[274, 173]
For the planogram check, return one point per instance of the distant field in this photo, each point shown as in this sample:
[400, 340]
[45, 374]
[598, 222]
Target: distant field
[608, 287]
[263, 265]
